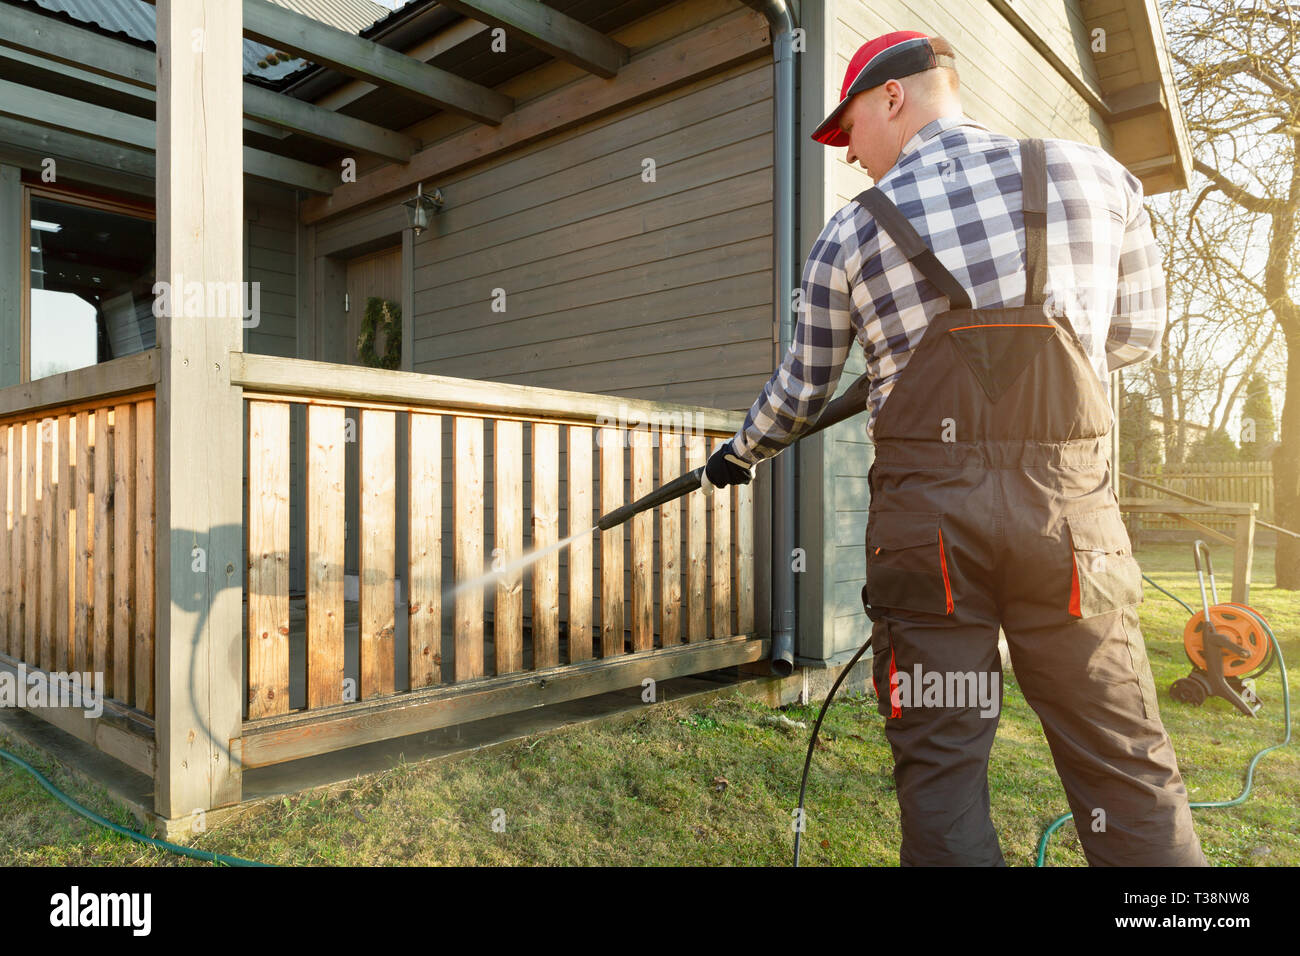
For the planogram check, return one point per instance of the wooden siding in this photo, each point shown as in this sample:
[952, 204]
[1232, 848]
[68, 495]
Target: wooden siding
[270, 218]
[657, 290]
[613, 284]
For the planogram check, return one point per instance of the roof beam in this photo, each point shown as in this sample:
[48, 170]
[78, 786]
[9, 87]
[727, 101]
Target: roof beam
[462, 31]
[366, 60]
[145, 95]
[136, 68]
[327, 125]
[733, 38]
[74, 116]
[78, 156]
[558, 34]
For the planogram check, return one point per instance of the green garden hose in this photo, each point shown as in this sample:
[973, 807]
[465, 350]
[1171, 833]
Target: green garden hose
[206, 855]
[1250, 769]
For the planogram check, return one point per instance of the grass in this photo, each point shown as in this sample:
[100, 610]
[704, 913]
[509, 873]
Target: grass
[715, 784]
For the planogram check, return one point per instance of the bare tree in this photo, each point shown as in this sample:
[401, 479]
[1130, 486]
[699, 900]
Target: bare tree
[1239, 80]
[1219, 332]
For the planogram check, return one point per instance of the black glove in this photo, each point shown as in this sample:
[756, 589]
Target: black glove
[726, 468]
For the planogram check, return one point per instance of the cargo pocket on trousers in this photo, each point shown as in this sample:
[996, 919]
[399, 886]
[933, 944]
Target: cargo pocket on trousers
[1105, 576]
[883, 668]
[906, 565]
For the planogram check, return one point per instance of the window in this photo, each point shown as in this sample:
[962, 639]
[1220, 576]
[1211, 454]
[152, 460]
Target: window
[90, 283]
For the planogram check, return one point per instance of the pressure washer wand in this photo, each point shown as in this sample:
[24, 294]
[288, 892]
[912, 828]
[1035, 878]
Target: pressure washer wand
[853, 400]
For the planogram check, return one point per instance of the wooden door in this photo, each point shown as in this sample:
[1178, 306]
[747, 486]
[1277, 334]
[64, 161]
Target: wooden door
[378, 274]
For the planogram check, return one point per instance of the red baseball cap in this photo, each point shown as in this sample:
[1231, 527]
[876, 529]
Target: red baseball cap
[877, 61]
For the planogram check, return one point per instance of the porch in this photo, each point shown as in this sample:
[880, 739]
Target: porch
[273, 553]
[493, 472]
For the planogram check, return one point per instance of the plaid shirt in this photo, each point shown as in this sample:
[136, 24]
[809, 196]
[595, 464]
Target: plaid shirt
[959, 184]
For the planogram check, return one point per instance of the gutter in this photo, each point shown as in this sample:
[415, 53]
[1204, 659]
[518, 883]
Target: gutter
[781, 21]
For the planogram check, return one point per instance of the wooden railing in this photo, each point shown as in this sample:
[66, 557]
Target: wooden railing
[1235, 481]
[491, 472]
[77, 535]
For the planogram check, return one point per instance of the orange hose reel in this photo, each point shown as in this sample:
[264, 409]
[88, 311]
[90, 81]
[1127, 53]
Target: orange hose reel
[1238, 623]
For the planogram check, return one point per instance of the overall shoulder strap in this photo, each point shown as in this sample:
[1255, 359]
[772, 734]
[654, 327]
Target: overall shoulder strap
[909, 241]
[1033, 161]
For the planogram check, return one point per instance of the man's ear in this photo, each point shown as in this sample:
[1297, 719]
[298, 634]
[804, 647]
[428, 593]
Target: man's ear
[897, 95]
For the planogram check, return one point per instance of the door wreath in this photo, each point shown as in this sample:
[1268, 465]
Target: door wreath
[381, 314]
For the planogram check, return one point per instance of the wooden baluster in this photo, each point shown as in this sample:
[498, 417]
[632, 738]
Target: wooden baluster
[508, 544]
[83, 570]
[467, 508]
[45, 546]
[546, 532]
[720, 506]
[124, 531]
[324, 516]
[104, 540]
[22, 518]
[611, 544]
[268, 559]
[145, 542]
[377, 618]
[32, 567]
[670, 544]
[697, 568]
[744, 564]
[62, 496]
[643, 592]
[580, 549]
[424, 633]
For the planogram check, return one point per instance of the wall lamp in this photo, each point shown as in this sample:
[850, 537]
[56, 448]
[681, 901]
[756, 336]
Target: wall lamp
[418, 209]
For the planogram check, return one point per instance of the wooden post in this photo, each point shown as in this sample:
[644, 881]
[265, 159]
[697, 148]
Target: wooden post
[1243, 555]
[199, 448]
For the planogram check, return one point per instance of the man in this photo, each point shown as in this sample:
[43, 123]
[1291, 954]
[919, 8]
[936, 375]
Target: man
[991, 503]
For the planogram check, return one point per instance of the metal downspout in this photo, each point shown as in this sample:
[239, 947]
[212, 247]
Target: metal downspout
[783, 276]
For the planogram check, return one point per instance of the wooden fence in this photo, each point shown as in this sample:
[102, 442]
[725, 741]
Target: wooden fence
[77, 541]
[490, 474]
[1227, 481]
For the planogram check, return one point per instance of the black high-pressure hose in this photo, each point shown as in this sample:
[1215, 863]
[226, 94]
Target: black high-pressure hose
[812, 742]
[853, 401]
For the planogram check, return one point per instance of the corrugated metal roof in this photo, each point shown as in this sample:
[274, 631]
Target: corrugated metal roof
[136, 19]
[351, 15]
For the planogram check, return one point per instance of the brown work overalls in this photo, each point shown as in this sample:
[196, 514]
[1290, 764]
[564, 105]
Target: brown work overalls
[991, 504]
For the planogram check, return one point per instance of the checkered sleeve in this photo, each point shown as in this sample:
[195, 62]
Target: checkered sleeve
[1140, 311]
[799, 389]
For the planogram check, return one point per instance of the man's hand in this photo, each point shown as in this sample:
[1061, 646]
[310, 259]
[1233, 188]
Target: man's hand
[725, 468]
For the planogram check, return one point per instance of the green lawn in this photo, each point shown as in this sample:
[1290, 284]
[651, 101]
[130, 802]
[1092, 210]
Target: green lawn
[713, 785]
